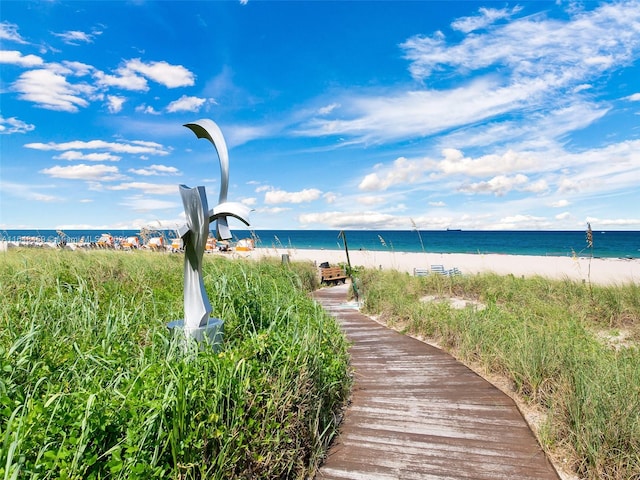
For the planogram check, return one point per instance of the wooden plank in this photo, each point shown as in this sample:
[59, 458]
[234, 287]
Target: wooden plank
[417, 413]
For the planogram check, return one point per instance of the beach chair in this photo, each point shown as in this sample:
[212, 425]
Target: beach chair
[454, 272]
[439, 269]
[420, 272]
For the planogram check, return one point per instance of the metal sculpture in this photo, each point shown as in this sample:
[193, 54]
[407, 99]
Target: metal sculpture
[194, 234]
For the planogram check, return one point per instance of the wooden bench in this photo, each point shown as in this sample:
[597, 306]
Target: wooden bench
[332, 275]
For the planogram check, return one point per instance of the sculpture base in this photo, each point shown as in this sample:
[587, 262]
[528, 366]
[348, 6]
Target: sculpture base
[212, 333]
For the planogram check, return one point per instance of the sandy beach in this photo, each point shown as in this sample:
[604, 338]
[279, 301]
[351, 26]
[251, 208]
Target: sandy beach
[604, 271]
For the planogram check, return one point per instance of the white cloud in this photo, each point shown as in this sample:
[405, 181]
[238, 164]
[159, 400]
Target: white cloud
[186, 104]
[609, 169]
[456, 163]
[125, 79]
[14, 125]
[136, 147]
[84, 172]
[354, 220]
[536, 46]
[14, 57]
[330, 197]
[634, 98]
[281, 196]
[50, 90]
[171, 76]
[402, 171]
[241, 134]
[134, 73]
[9, 32]
[250, 202]
[437, 204]
[563, 216]
[147, 109]
[77, 69]
[326, 110]
[370, 200]
[420, 113]
[560, 204]
[372, 182]
[72, 155]
[538, 186]
[499, 185]
[114, 103]
[486, 17]
[75, 37]
[148, 188]
[544, 65]
[156, 170]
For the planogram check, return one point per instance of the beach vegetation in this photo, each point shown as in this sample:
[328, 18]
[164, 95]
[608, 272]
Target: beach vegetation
[94, 386]
[568, 349]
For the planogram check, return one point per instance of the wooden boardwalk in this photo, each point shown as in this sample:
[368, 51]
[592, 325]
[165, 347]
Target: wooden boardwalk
[417, 413]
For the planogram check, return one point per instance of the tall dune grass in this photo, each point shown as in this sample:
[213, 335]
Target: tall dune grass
[545, 336]
[93, 385]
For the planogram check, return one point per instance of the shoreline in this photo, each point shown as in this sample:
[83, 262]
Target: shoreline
[597, 270]
[603, 271]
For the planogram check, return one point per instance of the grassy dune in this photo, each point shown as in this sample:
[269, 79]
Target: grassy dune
[93, 386]
[570, 349]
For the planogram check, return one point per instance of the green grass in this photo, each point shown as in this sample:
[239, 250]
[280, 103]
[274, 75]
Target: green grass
[543, 336]
[93, 385]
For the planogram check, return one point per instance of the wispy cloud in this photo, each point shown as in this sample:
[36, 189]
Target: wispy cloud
[14, 125]
[82, 171]
[134, 73]
[281, 196]
[28, 192]
[541, 62]
[73, 155]
[187, 104]
[485, 18]
[136, 147]
[115, 103]
[147, 188]
[76, 37]
[155, 170]
[9, 32]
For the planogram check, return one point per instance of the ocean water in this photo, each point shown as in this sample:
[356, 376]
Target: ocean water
[606, 244]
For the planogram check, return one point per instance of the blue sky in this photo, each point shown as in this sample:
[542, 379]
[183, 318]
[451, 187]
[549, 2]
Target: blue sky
[338, 115]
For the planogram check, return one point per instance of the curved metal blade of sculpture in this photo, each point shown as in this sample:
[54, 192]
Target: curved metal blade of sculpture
[208, 129]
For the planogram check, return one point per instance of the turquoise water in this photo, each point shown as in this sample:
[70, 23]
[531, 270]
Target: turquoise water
[607, 244]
